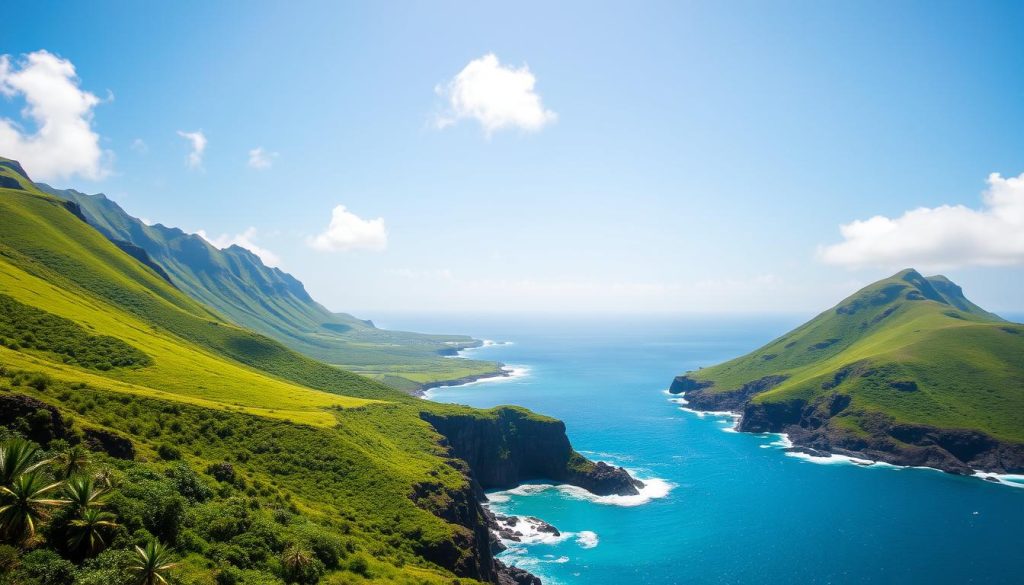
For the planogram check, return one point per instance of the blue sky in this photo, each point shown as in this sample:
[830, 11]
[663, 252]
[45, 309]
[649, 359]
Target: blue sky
[698, 157]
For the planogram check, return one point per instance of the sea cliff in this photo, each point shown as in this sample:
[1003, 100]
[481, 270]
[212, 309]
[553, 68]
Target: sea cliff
[501, 448]
[815, 428]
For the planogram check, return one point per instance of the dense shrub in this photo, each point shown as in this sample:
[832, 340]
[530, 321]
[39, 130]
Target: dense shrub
[26, 327]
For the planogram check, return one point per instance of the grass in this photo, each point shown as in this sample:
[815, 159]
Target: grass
[236, 284]
[966, 365]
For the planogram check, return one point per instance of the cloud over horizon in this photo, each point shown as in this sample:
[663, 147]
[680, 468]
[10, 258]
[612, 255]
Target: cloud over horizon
[64, 143]
[944, 237]
[347, 231]
[197, 140]
[496, 96]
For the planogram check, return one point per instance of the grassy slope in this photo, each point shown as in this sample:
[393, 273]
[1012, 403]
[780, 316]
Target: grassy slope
[354, 450]
[967, 364]
[236, 283]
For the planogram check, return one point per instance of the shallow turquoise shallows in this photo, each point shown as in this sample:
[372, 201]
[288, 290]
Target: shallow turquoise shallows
[739, 510]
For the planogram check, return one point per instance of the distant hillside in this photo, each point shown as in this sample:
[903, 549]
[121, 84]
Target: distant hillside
[236, 283]
[906, 370]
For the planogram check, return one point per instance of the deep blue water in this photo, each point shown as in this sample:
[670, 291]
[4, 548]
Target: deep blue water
[740, 510]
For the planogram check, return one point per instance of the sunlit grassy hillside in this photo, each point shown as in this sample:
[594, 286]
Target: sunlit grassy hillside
[909, 347]
[237, 284]
[322, 455]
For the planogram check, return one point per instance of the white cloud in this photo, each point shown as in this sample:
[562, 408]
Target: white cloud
[937, 238]
[496, 96]
[197, 140]
[64, 142]
[261, 159]
[247, 240]
[347, 231]
[139, 145]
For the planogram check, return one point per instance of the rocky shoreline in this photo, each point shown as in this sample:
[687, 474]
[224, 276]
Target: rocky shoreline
[813, 430]
[504, 448]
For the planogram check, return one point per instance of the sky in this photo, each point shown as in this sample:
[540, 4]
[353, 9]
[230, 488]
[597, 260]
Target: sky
[696, 157]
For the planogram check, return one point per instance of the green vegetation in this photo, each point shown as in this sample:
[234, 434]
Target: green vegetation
[27, 328]
[908, 347]
[237, 284]
[256, 464]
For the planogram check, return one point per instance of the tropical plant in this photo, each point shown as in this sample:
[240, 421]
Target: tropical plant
[25, 504]
[82, 493]
[17, 456]
[152, 563]
[295, 560]
[104, 477]
[86, 532]
[72, 461]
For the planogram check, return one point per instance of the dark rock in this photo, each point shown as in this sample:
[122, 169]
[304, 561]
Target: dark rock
[515, 576]
[109, 442]
[699, 396]
[514, 446]
[35, 419]
[543, 526]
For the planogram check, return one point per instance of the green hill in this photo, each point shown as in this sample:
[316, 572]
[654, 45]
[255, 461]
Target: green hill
[906, 370]
[237, 284]
[257, 464]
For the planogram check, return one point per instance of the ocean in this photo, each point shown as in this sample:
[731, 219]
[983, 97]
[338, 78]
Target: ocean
[720, 506]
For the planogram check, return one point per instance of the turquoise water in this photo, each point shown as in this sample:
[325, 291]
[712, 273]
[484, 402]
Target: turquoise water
[739, 510]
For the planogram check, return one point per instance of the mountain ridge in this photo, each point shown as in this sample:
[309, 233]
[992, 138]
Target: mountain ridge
[240, 286]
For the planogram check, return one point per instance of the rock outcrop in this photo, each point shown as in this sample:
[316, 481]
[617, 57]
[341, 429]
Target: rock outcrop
[508, 446]
[497, 449]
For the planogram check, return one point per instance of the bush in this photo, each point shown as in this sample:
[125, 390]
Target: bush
[44, 567]
[222, 472]
[188, 483]
[168, 452]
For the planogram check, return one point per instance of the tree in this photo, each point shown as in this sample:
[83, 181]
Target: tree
[17, 456]
[152, 563]
[86, 532]
[82, 493]
[25, 504]
[72, 461]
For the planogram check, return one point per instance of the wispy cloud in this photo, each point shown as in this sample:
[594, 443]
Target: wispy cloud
[347, 231]
[139, 145]
[936, 238]
[496, 96]
[197, 140]
[247, 240]
[261, 159]
[64, 143]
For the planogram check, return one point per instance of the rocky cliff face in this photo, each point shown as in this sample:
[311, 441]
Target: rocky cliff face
[512, 446]
[813, 427]
[497, 449]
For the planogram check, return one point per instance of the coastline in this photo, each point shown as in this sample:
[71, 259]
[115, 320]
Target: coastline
[503, 371]
[512, 536]
[832, 456]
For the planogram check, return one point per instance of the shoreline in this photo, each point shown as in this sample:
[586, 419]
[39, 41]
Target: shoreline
[833, 457]
[503, 371]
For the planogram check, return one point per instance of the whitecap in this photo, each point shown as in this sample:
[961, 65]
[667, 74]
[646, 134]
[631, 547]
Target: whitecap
[587, 539]
[1009, 479]
[653, 489]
